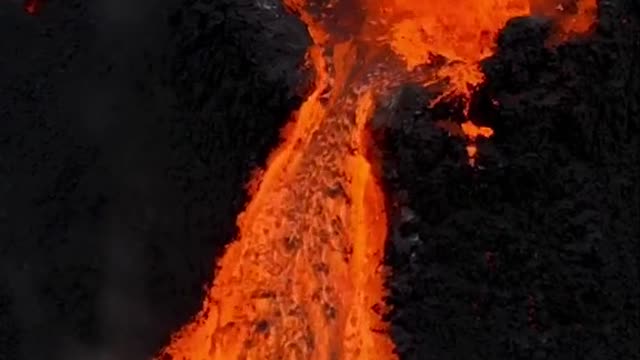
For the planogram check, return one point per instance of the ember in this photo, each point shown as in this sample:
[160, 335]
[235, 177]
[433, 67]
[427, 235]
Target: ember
[304, 276]
[32, 6]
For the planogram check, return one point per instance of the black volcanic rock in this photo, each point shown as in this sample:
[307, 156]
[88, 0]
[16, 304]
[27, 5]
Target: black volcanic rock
[128, 132]
[221, 43]
[534, 253]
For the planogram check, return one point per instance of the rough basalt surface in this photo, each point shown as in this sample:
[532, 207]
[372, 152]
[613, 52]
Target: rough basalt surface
[129, 130]
[534, 253]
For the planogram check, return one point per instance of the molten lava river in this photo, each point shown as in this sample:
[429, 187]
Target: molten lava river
[304, 279]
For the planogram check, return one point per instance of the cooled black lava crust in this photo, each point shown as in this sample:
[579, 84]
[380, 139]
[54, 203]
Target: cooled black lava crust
[534, 254]
[128, 131]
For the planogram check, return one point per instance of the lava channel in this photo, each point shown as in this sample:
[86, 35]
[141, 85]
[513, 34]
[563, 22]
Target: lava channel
[304, 279]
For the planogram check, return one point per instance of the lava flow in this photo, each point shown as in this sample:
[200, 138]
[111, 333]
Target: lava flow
[304, 280]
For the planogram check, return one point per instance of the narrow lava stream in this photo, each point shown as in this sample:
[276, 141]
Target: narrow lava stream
[304, 279]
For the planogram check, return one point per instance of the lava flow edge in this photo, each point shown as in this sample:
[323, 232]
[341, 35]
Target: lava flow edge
[318, 199]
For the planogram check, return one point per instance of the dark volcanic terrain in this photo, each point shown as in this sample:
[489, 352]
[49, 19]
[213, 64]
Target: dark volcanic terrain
[534, 254]
[128, 131]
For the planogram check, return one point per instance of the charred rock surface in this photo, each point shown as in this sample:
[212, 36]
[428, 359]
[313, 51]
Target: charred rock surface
[125, 144]
[534, 253]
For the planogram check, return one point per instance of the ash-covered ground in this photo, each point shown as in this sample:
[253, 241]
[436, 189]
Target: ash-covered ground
[128, 131]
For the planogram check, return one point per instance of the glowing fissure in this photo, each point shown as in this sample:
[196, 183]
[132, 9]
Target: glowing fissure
[303, 280]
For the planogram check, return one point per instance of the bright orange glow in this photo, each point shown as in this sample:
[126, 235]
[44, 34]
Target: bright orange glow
[472, 131]
[303, 280]
[464, 32]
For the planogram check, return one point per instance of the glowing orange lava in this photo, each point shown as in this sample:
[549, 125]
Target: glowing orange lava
[303, 280]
